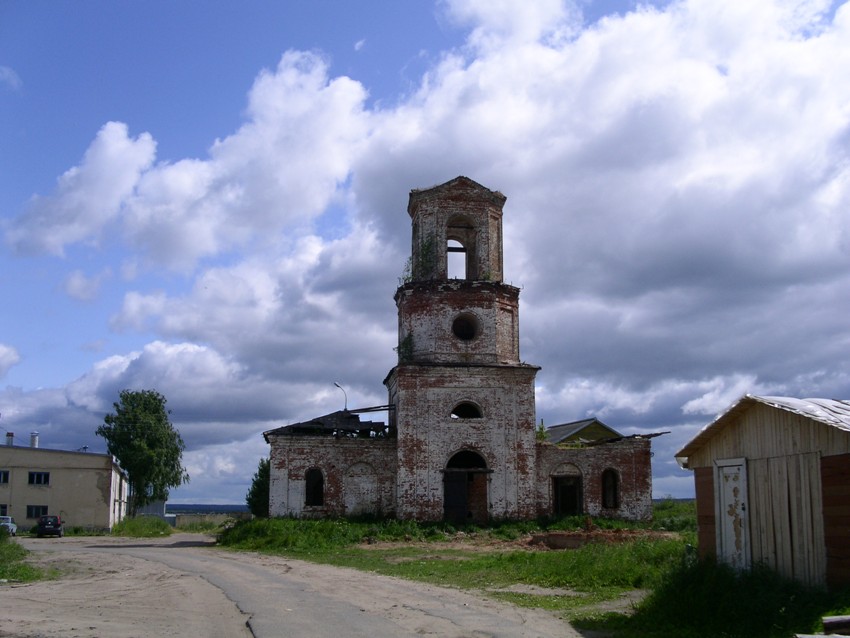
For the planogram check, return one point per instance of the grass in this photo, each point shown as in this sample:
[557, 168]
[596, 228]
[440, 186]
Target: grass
[142, 527]
[12, 565]
[687, 598]
[706, 599]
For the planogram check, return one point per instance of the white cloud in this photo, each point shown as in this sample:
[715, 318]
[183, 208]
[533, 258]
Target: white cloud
[8, 357]
[88, 196]
[78, 286]
[11, 79]
[677, 186]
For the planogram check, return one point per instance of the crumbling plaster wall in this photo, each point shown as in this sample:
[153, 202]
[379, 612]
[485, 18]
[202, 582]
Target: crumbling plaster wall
[435, 216]
[428, 309]
[352, 468]
[428, 436]
[630, 458]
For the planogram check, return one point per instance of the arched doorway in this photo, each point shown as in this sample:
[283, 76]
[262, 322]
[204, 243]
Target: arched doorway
[465, 489]
[567, 493]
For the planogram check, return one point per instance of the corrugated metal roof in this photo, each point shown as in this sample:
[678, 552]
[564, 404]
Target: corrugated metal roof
[833, 412]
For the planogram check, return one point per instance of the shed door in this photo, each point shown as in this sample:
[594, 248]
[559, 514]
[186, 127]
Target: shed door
[734, 539]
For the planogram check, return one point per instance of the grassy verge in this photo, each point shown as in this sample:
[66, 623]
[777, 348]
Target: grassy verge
[142, 527]
[12, 565]
[471, 558]
[686, 598]
[705, 599]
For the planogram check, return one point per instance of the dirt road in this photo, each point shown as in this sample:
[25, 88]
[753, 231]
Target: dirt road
[182, 586]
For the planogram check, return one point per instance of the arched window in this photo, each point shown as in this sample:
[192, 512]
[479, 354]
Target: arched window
[315, 490]
[467, 460]
[460, 248]
[466, 410]
[456, 256]
[610, 489]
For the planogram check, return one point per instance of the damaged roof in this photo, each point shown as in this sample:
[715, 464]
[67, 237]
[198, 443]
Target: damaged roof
[339, 423]
[833, 412]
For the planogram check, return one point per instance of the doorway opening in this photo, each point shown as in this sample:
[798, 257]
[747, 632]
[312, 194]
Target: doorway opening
[465, 489]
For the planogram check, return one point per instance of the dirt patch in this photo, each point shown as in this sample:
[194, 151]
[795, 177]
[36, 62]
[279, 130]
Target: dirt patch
[579, 538]
[545, 541]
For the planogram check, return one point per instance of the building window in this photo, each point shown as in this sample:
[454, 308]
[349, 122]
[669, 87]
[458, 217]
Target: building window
[4, 477]
[4, 509]
[34, 511]
[466, 410]
[39, 478]
[315, 496]
[610, 489]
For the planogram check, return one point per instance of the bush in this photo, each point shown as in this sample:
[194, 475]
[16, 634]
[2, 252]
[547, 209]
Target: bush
[142, 527]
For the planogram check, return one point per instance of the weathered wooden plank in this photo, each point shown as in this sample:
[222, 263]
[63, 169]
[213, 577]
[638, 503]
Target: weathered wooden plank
[781, 516]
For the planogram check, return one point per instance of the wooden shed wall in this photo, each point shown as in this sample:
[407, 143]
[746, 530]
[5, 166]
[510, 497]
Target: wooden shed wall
[799, 491]
[765, 432]
[786, 525]
[835, 480]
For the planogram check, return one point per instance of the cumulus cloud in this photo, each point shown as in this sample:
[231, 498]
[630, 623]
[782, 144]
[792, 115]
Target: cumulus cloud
[8, 357]
[88, 196]
[82, 288]
[279, 171]
[677, 185]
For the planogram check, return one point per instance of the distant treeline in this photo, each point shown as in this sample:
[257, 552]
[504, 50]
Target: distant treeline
[202, 508]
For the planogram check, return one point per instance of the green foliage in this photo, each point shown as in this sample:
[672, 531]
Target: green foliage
[200, 527]
[405, 349]
[675, 515]
[146, 445]
[706, 599]
[426, 260]
[540, 433]
[257, 498]
[12, 565]
[142, 527]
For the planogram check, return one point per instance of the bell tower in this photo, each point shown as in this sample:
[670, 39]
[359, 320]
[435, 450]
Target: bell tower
[464, 402]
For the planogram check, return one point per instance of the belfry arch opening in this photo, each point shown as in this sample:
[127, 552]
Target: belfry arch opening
[456, 260]
[460, 248]
[465, 489]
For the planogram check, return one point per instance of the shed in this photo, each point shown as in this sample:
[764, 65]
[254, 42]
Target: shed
[772, 477]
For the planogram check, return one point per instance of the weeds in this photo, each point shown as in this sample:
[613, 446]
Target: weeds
[12, 565]
[706, 599]
[142, 527]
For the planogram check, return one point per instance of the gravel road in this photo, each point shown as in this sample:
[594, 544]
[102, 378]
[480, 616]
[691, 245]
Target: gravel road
[183, 586]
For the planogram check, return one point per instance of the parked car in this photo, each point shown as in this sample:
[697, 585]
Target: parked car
[9, 523]
[50, 526]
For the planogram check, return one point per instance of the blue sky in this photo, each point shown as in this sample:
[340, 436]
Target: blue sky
[209, 199]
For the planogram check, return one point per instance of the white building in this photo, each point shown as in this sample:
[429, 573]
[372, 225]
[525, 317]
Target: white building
[86, 490]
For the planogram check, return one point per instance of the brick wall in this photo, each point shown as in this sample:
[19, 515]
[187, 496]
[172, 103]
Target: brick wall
[359, 475]
[630, 458]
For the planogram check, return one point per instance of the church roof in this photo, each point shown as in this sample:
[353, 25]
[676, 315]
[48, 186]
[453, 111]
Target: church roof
[342, 423]
[565, 431]
[460, 184]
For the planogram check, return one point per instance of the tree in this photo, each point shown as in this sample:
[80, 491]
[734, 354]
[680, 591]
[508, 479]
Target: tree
[258, 494]
[146, 445]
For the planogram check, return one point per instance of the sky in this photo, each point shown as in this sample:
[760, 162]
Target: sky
[209, 199]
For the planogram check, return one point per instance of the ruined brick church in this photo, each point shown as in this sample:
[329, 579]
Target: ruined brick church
[460, 442]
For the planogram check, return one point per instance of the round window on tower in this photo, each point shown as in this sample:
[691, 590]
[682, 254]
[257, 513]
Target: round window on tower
[465, 327]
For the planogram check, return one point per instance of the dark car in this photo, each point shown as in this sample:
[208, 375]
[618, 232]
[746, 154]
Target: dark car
[49, 526]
